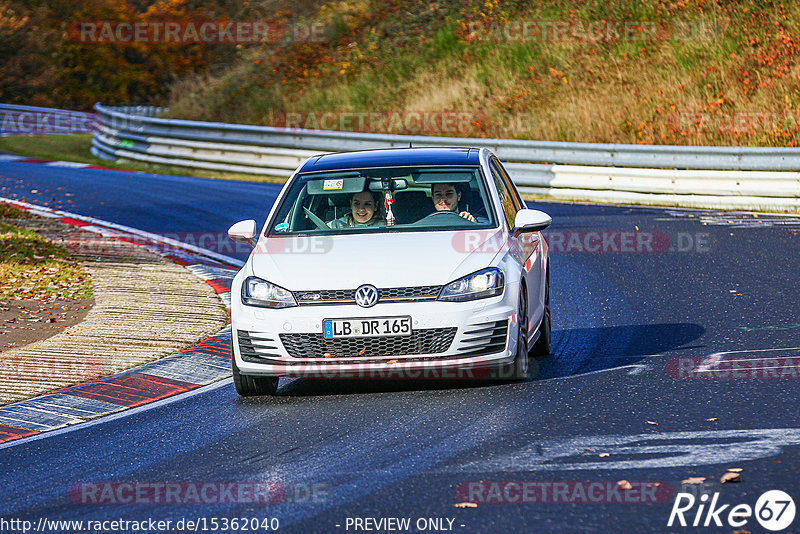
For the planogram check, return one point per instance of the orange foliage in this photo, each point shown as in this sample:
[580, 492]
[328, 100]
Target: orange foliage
[44, 60]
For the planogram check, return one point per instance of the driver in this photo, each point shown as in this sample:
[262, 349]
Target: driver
[446, 197]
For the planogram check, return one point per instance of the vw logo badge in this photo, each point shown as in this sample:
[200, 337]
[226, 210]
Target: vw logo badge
[366, 296]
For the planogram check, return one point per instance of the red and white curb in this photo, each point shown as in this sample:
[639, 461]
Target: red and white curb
[200, 365]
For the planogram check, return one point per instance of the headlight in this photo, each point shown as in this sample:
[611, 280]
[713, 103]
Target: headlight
[483, 284]
[258, 292]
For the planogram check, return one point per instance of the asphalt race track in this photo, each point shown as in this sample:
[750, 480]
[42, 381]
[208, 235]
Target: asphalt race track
[676, 355]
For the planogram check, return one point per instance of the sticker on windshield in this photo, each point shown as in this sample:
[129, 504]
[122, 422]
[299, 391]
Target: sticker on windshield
[329, 185]
[282, 227]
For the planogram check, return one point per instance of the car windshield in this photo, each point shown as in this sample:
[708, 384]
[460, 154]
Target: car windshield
[392, 199]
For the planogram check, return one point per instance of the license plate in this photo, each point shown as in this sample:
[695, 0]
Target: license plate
[366, 327]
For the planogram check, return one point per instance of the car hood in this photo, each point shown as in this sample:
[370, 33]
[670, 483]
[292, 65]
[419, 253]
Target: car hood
[383, 260]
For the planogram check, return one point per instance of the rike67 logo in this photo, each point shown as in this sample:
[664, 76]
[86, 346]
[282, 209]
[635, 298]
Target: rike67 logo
[774, 510]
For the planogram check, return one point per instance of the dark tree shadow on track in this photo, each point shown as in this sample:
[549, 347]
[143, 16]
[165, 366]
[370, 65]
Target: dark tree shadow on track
[575, 351]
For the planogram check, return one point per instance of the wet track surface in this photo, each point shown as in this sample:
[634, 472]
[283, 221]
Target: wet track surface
[641, 297]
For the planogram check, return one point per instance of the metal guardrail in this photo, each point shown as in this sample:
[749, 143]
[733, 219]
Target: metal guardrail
[137, 133]
[523, 151]
[270, 151]
[730, 177]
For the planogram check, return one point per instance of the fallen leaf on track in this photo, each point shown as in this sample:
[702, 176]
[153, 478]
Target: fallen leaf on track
[604, 455]
[465, 505]
[624, 484]
[730, 477]
[651, 423]
[735, 469]
[694, 480]
[712, 419]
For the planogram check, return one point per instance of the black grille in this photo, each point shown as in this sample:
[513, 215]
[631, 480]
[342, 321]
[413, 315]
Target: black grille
[347, 296]
[425, 341]
[393, 293]
[324, 297]
[485, 338]
[256, 353]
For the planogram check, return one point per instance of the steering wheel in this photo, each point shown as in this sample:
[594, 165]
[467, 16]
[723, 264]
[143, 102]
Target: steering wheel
[441, 217]
[319, 223]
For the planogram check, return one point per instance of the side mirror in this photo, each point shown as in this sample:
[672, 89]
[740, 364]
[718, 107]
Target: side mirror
[531, 221]
[244, 232]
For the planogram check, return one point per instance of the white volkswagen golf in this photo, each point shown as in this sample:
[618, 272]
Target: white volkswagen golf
[396, 263]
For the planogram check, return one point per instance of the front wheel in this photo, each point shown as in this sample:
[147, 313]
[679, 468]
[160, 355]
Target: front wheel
[518, 369]
[251, 386]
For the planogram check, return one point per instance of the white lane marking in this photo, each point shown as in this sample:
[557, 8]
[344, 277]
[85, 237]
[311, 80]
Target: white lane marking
[757, 350]
[765, 359]
[118, 415]
[712, 360]
[70, 164]
[639, 368]
[752, 368]
[709, 362]
[675, 449]
[635, 369]
[734, 219]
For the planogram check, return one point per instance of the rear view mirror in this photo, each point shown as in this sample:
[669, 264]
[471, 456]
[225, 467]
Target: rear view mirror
[244, 232]
[396, 184]
[531, 221]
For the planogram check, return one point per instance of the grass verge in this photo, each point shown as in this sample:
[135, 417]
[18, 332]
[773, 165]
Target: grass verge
[32, 267]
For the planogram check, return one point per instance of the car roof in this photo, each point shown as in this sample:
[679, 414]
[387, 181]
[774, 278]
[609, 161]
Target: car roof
[393, 157]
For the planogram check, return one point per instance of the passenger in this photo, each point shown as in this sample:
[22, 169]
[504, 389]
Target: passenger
[446, 197]
[364, 212]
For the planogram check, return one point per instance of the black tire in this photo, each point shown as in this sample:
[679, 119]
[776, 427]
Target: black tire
[518, 369]
[543, 344]
[251, 386]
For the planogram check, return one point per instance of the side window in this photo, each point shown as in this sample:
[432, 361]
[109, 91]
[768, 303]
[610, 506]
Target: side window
[510, 184]
[506, 197]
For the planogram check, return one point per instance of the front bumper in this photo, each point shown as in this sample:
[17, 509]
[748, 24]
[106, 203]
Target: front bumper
[459, 340]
